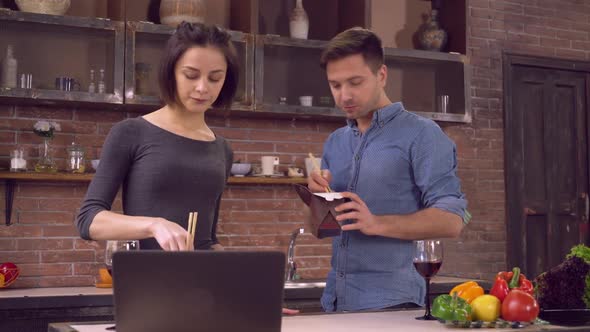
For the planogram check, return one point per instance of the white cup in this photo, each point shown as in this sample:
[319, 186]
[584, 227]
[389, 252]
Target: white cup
[268, 164]
[306, 100]
[309, 164]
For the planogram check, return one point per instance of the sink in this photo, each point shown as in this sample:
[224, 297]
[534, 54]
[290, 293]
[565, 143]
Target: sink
[305, 283]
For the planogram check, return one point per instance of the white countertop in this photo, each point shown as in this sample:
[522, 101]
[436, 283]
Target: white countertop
[356, 322]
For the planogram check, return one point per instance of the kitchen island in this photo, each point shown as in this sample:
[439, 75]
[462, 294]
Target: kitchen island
[402, 320]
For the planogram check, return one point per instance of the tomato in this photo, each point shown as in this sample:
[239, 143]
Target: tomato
[519, 306]
[10, 272]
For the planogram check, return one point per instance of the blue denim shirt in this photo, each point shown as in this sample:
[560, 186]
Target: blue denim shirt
[403, 163]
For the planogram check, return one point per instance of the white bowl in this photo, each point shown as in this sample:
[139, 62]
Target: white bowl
[240, 169]
[94, 163]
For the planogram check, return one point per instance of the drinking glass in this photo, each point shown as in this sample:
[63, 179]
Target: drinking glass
[428, 257]
[117, 245]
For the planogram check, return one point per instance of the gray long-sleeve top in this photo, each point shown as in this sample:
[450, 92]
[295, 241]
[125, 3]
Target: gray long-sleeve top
[163, 175]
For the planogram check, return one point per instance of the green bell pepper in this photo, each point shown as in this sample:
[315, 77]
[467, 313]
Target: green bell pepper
[451, 308]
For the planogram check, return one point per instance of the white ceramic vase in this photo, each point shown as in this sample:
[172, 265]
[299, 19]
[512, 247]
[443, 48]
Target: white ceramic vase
[173, 12]
[299, 22]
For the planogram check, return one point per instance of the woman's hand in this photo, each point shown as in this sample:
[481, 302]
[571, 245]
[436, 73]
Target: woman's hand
[170, 235]
[287, 311]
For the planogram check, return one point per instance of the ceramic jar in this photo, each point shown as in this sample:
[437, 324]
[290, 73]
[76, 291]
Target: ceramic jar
[51, 7]
[430, 36]
[173, 12]
[299, 22]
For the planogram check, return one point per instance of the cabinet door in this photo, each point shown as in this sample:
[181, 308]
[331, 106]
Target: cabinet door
[144, 48]
[434, 85]
[288, 73]
[59, 52]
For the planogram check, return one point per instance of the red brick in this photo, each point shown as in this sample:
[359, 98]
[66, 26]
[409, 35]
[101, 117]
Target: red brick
[67, 256]
[271, 204]
[87, 268]
[249, 192]
[540, 30]
[103, 116]
[552, 42]
[42, 112]
[572, 35]
[6, 111]
[54, 190]
[313, 250]
[539, 11]
[571, 54]
[73, 281]
[78, 127]
[35, 270]
[7, 245]
[19, 257]
[60, 231]
[506, 6]
[15, 231]
[64, 204]
[579, 45]
[523, 38]
[252, 146]
[479, 3]
[45, 244]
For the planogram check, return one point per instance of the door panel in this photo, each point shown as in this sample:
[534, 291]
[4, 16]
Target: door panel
[546, 165]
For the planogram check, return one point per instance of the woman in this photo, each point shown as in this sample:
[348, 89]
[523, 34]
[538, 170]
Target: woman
[169, 162]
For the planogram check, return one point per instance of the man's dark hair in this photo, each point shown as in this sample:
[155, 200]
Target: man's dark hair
[354, 41]
[188, 35]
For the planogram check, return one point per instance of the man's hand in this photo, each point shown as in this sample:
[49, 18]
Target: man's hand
[366, 222]
[318, 181]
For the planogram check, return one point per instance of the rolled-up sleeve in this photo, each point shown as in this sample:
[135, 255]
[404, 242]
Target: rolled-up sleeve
[434, 163]
[115, 160]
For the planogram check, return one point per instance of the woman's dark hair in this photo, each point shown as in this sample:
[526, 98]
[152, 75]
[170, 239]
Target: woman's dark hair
[188, 35]
[354, 41]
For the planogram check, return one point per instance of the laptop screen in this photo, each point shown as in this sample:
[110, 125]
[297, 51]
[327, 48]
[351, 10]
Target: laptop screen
[198, 291]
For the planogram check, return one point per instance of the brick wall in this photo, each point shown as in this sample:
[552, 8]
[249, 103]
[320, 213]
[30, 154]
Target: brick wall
[44, 242]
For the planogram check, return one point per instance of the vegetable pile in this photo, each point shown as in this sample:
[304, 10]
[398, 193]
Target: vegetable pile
[566, 286]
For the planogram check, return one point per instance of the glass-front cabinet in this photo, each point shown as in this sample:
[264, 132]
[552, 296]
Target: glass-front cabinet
[61, 59]
[144, 47]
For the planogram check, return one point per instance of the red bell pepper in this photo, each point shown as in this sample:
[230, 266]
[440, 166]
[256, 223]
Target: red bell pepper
[506, 281]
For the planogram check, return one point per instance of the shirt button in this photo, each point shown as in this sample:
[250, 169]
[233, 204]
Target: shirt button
[342, 245]
[357, 157]
[341, 274]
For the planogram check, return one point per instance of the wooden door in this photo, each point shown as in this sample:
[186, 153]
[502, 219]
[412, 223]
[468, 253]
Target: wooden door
[546, 144]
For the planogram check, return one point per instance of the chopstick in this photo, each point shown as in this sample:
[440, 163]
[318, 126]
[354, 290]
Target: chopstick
[318, 167]
[191, 228]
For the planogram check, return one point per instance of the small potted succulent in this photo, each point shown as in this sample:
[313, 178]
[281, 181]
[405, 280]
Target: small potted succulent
[240, 169]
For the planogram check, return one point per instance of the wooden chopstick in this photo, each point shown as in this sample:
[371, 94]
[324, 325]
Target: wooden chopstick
[318, 167]
[191, 228]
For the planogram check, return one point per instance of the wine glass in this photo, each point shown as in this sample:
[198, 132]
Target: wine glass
[428, 257]
[117, 245]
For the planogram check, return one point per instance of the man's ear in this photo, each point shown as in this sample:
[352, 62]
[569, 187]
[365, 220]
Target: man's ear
[382, 75]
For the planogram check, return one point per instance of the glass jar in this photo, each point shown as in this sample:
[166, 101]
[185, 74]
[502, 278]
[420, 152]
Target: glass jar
[76, 161]
[17, 160]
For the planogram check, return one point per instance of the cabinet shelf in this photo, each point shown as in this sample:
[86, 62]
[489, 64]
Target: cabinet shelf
[12, 177]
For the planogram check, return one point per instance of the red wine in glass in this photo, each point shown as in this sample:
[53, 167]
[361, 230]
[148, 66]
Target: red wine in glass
[428, 257]
[427, 269]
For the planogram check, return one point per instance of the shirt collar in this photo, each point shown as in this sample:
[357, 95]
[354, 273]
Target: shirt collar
[381, 116]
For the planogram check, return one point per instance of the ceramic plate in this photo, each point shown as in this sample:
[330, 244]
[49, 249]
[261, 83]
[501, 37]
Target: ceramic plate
[570, 317]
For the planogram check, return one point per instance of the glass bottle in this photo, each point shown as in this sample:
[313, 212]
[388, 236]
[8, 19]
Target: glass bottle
[9, 69]
[17, 160]
[101, 85]
[92, 85]
[76, 160]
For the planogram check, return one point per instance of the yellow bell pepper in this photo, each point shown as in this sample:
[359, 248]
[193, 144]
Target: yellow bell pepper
[468, 291]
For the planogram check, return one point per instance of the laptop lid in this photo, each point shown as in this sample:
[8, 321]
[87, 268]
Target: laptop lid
[198, 291]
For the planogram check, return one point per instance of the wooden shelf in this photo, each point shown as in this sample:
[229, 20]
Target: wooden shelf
[12, 177]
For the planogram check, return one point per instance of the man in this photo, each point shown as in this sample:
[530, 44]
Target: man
[399, 171]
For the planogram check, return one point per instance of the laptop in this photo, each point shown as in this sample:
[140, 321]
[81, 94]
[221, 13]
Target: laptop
[198, 291]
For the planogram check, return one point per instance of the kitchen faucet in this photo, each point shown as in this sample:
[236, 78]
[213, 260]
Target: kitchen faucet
[292, 267]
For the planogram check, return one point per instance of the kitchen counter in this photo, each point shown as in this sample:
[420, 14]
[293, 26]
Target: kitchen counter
[32, 309]
[403, 320]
